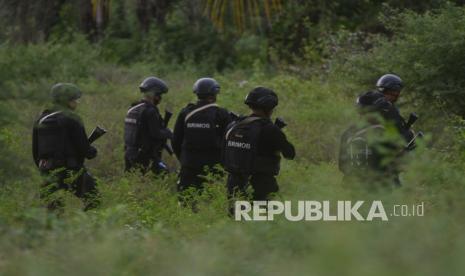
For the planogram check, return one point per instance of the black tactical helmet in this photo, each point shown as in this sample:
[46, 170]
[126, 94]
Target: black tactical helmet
[154, 85]
[62, 93]
[389, 82]
[261, 97]
[206, 86]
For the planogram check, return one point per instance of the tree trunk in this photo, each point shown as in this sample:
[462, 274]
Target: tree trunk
[86, 19]
[149, 11]
[142, 15]
[102, 11]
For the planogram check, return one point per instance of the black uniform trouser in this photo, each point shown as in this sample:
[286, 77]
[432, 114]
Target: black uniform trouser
[144, 164]
[263, 185]
[78, 181]
[190, 178]
[194, 177]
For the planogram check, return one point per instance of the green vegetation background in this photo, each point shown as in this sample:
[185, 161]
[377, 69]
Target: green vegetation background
[140, 229]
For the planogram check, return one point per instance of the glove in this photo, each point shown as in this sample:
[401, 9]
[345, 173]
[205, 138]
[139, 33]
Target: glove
[91, 153]
[162, 166]
[167, 133]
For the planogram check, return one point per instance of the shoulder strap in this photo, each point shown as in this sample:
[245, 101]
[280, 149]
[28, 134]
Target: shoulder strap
[198, 110]
[48, 116]
[246, 121]
[134, 107]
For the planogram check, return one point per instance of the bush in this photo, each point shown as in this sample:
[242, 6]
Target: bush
[427, 51]
[27, 71]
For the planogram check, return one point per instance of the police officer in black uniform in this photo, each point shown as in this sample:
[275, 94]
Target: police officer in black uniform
[198, 135]
[60, 146]
[145, 132]
[367, 156]
[384, 161]
[253, 147]
[390, 86]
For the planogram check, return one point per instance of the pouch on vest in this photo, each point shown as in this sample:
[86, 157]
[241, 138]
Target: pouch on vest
[241, 145]
[201, 129]
[132, 125]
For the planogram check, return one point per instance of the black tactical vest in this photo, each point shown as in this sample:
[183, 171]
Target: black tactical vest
[241, 149]
[202, 129]
[52, 137]
[132, 126]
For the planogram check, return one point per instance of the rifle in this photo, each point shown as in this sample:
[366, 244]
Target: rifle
[418, 135]
[411, 119]
[96, 134]
[166, 120]
[279, 122]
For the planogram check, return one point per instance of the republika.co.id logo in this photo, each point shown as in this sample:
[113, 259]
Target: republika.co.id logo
[323, 210]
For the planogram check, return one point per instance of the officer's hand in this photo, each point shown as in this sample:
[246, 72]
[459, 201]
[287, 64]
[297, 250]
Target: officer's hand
[411, 133]
[91, 153]
[167, 133]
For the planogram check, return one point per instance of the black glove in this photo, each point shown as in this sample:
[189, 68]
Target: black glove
[91, 153]
[167, 133]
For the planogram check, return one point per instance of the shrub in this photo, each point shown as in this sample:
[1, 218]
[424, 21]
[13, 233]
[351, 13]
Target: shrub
[27, 71]
[427, 51]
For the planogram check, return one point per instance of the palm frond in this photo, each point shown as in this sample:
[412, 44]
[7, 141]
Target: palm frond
[244, 13]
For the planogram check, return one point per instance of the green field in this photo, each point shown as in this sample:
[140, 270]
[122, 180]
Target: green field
[140, 229]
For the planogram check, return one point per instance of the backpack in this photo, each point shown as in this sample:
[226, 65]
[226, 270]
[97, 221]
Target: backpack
[201, 129]
[357, 152]
[241, 142]
[51, 134]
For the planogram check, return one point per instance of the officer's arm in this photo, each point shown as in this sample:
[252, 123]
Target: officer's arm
[79, 138]
[385, 149]
[154, 125]
[404, 131]
[178, 134]
[35, 150]
[391, 113]
[282, 144]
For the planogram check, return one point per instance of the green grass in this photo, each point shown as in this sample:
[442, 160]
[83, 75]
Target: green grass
[141, 229]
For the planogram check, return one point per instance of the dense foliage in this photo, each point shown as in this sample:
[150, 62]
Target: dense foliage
[188, 31]
[428, 52]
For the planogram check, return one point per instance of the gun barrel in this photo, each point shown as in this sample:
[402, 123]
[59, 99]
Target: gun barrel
[96, 134]
[168, 149]
[412, 119]
[166, 120]
[167, 117]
